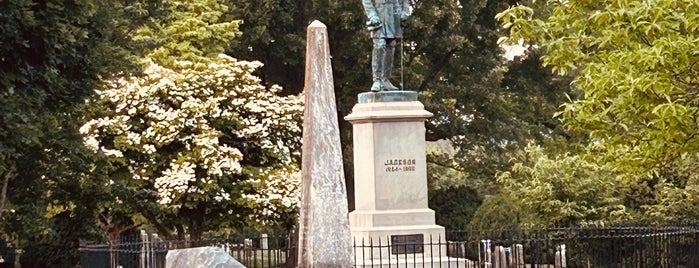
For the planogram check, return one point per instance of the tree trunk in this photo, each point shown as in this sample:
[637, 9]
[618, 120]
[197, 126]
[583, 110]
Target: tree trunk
[3, 194]
[197, 221]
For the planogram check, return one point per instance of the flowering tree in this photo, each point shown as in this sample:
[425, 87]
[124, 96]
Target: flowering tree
[277, 201]
[195, 131]
[196, 136]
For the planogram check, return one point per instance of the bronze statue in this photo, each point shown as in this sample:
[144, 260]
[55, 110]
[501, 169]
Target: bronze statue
[384, 23]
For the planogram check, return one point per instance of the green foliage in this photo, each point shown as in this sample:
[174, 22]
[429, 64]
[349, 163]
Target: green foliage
[457, 66]
[273, 32]
[191, 31]
[60, 191]
[454, 206]
[52, 55]
[57, 247]
[487, 107]
[635, 63]
[498, 211]
[484, 107]
[563, 190]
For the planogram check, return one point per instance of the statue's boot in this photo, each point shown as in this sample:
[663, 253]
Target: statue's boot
[388, 55]
[377, 67]
[376, 86]
[386, 85]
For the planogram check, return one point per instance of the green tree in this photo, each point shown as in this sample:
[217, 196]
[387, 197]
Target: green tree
[564, 190]
[273, 32]
[450, 55]
[498, 211]
[534, 96]
[635, 63]
[454, 206]
[486, 108]
[194, 31]
[53, 55]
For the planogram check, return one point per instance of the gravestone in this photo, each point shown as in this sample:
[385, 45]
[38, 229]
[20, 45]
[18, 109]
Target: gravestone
[324, 235]
[390, 180]
[202, 257]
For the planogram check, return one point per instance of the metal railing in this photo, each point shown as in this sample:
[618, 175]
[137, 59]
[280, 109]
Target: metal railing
[150, 251]
[615, 246]
[594, 246]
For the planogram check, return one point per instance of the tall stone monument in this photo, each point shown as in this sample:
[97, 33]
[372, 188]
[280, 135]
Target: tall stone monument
[324, 235]
[390, 180]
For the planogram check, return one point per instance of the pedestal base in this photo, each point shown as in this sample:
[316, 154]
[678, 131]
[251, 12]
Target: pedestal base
[426, 241]
[416, 262]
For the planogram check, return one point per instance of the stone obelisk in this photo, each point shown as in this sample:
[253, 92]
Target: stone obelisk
[324, 234]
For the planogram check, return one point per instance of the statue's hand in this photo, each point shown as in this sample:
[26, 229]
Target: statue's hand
[373, 24]
[404, 15]
[373, 21]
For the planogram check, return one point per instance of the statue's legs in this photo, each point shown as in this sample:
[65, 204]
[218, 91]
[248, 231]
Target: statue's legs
[377, 63]
[388, 57]
[382, 57]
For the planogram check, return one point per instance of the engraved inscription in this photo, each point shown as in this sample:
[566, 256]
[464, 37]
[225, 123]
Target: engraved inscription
[400, 165]
[407, 244]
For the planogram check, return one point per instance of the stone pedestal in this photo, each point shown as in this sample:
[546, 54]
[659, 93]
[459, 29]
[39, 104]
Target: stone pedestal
[390, 179]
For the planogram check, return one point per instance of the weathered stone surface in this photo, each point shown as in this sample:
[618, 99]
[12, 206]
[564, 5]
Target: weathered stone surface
[386, 96]
[203, 257]
[324, 237]
[390, 174]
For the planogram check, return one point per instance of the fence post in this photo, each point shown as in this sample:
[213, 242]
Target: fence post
[560, 256]
[485, 256]
[154, 258]
[500, 257]
[143, 262]
[263, 242]
[247, 249]
[518, 255]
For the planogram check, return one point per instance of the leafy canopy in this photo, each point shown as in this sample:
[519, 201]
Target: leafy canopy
[53, 54]
[191, 30]
[636, 65]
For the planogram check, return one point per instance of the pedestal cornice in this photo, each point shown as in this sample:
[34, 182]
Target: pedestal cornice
[388, 106]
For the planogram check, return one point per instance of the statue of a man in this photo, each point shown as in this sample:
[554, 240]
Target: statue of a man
[384, 19]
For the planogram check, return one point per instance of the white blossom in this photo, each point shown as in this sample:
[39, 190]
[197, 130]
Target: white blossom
[167, 125]
[278, 194]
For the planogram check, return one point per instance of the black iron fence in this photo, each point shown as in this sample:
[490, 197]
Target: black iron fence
[150, 251]
[618, 246]
[615, 246]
